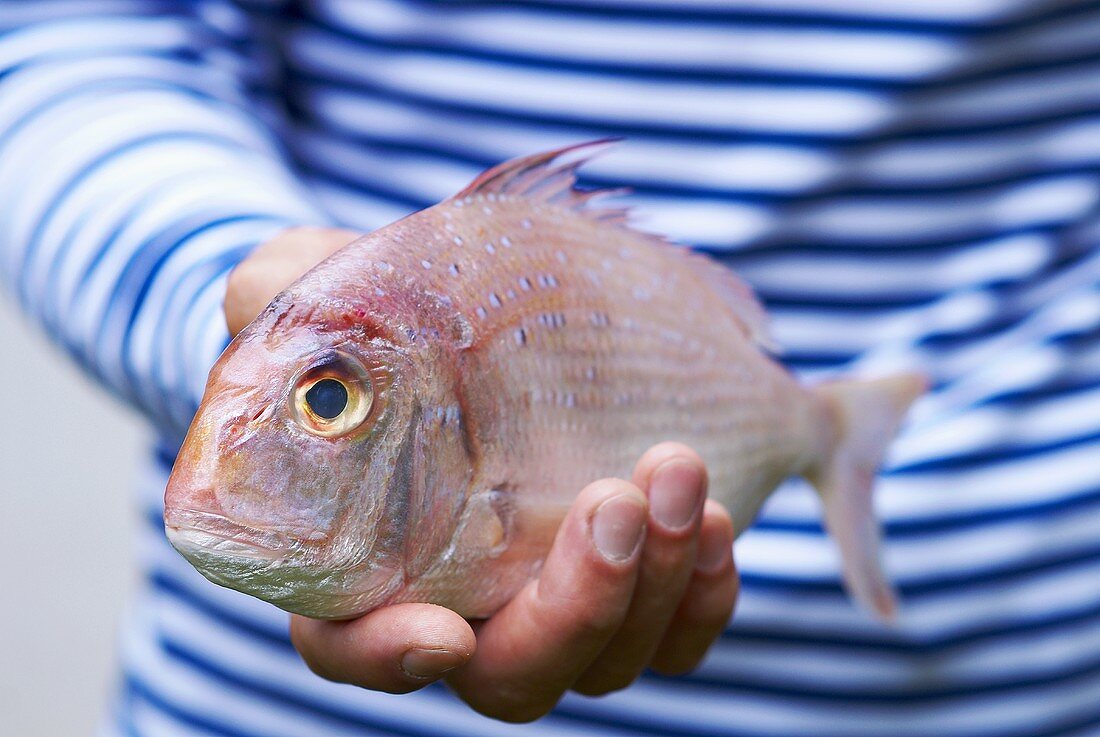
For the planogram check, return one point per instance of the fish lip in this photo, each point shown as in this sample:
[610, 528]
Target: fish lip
[197, 529]
[197, 544]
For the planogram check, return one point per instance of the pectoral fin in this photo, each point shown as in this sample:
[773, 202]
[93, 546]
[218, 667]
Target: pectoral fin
[439, 471]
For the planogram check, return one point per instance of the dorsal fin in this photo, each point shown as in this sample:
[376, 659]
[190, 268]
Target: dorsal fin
[737, 294]
[550, 177]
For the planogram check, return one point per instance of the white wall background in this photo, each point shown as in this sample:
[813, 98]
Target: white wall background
[67, 459]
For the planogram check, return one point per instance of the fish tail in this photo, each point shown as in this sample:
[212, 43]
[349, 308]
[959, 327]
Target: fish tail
[863, 417]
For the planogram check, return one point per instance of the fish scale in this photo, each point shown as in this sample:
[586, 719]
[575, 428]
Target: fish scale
[629, 348]
[498, 352]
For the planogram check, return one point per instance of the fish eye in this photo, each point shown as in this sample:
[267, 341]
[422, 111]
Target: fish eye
[327, 398]
[333, 398]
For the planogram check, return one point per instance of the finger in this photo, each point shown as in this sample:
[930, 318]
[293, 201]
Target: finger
[397, 649]
[248, 292]
[709, 600]
[274, 266]
[531, 651]
[675, 481]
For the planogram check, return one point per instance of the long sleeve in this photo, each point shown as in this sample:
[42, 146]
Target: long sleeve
[135, 170]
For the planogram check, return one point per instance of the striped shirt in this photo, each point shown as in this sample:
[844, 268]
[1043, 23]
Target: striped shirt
[907, 183]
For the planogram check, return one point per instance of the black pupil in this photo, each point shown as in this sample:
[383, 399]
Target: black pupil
[327, 398]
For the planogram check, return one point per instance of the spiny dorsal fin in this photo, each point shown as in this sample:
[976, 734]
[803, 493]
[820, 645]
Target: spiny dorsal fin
[550, 177]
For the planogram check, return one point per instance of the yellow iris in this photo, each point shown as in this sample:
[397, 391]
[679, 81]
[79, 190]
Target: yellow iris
[334, 398]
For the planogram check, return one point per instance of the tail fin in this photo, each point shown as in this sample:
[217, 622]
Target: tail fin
[866, 416]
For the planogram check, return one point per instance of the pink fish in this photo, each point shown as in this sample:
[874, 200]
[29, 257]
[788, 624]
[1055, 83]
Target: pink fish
[411, 419]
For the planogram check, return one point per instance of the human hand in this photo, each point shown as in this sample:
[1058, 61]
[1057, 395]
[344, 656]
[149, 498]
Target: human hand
[274, 266]
[657, 595]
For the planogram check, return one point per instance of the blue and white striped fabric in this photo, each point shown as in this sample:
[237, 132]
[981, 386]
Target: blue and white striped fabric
[906, 182]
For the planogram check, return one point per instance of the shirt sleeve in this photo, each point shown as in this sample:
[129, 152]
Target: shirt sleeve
[136, 170]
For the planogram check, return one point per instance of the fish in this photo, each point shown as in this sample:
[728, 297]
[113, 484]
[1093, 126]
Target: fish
[411, 419]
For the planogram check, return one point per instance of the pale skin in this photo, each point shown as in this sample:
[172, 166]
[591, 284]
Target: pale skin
[641, 574]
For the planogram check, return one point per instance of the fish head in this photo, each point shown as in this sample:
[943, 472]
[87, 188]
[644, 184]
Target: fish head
[293, 483]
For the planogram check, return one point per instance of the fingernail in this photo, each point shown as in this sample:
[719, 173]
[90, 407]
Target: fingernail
[714, 551]
[676, 494]
[424, 663]
[618, 525]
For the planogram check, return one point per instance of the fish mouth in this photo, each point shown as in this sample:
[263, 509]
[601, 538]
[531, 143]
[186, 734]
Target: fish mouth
[277, 566]
[192, 531]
